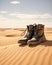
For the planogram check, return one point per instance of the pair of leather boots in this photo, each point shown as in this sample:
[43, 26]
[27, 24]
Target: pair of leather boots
[35, 35]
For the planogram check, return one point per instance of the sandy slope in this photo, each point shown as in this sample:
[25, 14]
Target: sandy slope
[12, 54]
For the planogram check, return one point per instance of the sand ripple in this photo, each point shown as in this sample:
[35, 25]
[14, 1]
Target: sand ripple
[15, 55]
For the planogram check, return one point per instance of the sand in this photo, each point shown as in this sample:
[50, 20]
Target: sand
[13, 54]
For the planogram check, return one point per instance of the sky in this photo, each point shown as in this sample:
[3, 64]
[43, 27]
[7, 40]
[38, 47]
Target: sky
[19, 13]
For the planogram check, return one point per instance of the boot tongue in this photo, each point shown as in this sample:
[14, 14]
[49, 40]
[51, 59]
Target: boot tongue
[31, 27]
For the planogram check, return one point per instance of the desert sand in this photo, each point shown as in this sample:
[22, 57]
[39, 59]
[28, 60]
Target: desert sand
[13, 54]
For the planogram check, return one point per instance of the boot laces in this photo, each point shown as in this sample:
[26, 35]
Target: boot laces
[23, 33]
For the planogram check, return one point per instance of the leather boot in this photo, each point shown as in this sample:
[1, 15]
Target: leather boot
[28, 36]
[39, 36]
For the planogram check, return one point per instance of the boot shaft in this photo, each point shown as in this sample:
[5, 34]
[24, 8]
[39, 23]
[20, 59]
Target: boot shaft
[30, 31]
[39, 31]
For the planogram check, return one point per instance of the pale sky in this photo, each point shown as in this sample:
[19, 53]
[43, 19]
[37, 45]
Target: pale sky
[19, 13]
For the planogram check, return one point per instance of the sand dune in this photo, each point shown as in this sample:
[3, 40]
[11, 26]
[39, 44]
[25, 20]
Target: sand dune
[13, 54]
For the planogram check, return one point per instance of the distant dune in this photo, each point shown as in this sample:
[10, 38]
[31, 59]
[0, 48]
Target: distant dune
[13, 54]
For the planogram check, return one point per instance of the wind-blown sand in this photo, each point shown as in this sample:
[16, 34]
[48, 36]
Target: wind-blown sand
[13, 54]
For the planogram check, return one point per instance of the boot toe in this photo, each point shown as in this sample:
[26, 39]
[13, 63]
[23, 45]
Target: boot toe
[23, 42]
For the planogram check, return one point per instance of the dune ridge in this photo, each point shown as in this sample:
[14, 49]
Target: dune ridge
[13, 54]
